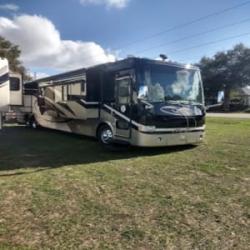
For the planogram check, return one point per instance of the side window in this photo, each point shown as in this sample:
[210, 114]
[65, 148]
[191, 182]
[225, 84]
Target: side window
[42, 91]
[64, 92]
[83, 87]
[75, 89]
[123, 90]
[58, 93]
[14, 84]
[49, 93]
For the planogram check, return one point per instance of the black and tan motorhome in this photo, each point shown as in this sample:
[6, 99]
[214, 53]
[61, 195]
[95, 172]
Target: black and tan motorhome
[134, 101]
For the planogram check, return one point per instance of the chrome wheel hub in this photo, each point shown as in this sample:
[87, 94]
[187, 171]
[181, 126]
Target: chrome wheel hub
[34, 124]
[106, 136]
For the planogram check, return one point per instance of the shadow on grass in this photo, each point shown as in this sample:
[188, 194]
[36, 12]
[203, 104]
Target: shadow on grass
[21, 147]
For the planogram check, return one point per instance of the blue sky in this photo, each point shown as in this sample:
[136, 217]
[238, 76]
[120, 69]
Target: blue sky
[114, 27]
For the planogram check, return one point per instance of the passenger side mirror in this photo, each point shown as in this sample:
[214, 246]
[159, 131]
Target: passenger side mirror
[214, 106]
[219, 102]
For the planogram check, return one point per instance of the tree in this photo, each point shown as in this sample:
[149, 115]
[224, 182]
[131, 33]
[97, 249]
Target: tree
[12, 53]
[226, 71]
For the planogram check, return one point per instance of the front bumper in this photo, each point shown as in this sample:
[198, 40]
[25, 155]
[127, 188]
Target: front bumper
[158, 139]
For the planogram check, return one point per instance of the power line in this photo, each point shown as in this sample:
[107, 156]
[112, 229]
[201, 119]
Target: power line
[198, 34]
[194, 35]
[209, 43]
[184, 25]
[217, 13]
[204, 44]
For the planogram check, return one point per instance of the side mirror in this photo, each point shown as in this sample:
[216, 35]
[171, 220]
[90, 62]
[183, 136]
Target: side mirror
[143, 91]
[214, 106]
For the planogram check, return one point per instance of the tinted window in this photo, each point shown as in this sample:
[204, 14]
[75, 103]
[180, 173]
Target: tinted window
[4, 78]
[83, 86]
[14, 84]
[64, 92]
[123, 90]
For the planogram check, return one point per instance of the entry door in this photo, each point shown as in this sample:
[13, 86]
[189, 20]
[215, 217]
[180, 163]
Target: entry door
[123, 106]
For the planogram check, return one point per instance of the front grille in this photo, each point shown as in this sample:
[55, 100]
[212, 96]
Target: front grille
[175, 122]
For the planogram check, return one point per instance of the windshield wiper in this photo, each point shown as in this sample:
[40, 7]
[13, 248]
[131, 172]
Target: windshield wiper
[183, 102]
[191, 102]
[174, 102]
[148, 104]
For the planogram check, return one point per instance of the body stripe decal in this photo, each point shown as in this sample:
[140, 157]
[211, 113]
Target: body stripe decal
[140, 127]
[149, 129]
[65, 106]
[4, 78]
[89, 103]
[175, 131]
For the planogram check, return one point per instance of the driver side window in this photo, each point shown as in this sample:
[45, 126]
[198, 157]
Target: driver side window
[123, 90]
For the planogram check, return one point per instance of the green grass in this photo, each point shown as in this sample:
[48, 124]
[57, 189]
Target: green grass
[59, 191]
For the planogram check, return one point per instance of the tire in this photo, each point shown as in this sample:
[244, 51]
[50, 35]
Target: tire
[105, 135]
[33, 123]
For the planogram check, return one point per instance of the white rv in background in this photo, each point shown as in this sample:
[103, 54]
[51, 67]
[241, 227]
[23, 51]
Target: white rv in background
[11, 90]
[4, 88]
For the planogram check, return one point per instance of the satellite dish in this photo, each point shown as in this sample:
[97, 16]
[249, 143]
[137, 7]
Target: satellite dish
[163, 57]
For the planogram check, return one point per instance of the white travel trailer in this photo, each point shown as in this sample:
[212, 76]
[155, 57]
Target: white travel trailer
[134, 101]
[4, 85]
[11, 90]
[4, 88]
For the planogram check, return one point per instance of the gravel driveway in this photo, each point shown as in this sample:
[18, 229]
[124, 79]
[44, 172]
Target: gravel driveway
[229, 115]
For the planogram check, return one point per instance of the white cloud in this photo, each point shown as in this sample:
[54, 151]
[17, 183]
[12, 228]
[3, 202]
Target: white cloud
[119, 4]
[9, 7]
[42, 46]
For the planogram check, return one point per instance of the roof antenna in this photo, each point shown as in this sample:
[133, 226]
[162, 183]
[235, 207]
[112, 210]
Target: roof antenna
[163, 57]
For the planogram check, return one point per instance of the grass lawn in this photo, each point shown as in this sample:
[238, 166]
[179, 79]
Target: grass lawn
[60, 191]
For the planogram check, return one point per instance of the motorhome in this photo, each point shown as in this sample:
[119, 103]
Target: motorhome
[11, 95]
[134, 101]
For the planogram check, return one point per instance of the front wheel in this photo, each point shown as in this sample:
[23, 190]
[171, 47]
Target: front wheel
[105, 135]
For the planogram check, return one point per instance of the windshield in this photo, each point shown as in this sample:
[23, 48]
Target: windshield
[162, 83]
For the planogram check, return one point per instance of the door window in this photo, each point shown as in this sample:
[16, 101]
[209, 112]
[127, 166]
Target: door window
[123, 90]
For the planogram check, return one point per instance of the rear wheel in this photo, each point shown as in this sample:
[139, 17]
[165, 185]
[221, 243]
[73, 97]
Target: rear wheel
[105, 135]
[33, 123]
